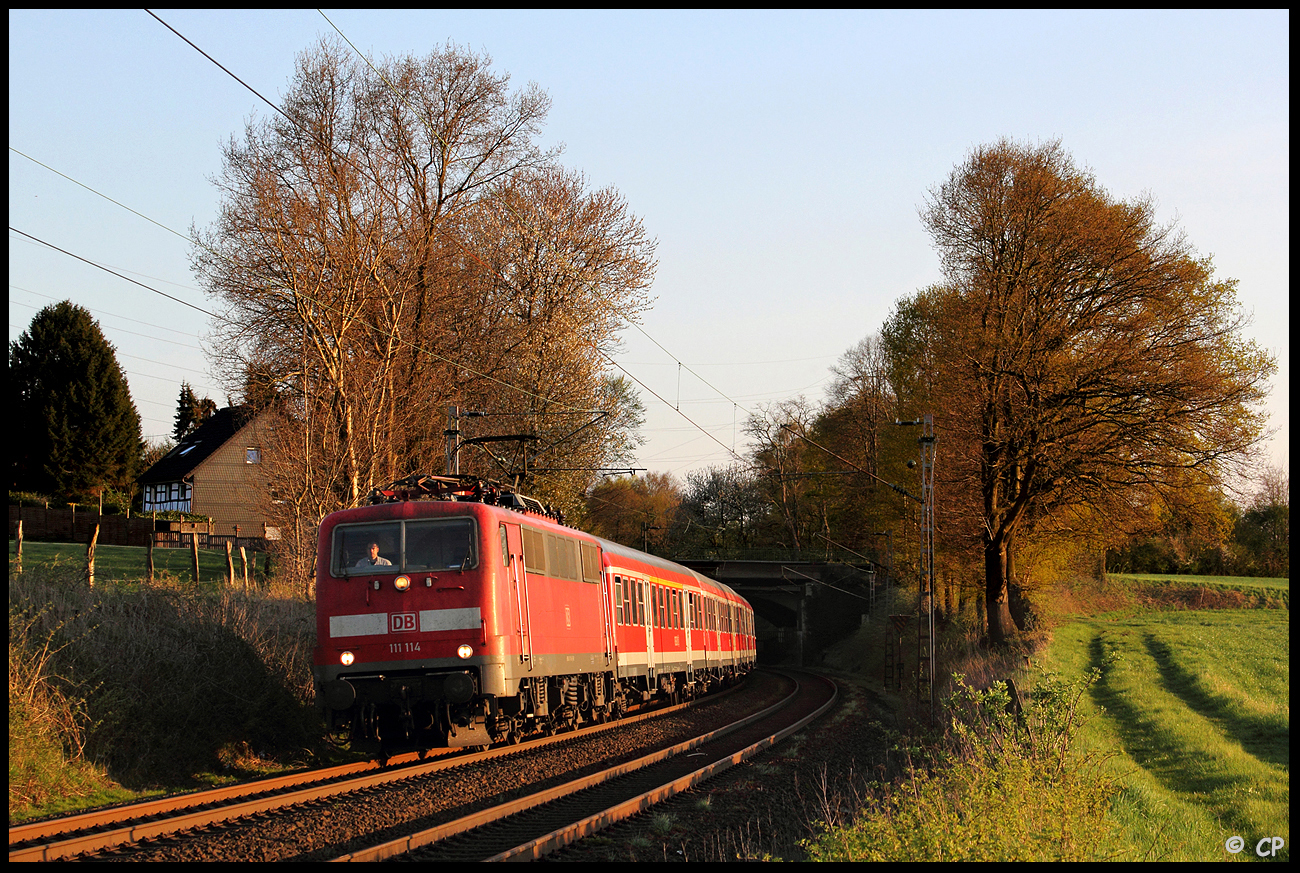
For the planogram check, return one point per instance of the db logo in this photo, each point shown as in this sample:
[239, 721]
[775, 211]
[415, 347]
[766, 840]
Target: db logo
[401, 621]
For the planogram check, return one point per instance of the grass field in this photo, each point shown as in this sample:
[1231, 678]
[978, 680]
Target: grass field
[128, 563]
[1213, 581]
[1196, 704]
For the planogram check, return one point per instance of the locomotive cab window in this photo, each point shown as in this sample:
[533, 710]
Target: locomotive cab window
[445, 544]
[353, 553]
[395, 546]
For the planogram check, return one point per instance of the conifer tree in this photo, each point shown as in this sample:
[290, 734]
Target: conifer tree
[191, 412]
[78, 430]
[187, 407]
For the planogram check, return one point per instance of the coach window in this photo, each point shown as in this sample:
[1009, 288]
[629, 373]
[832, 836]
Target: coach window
[618, 599]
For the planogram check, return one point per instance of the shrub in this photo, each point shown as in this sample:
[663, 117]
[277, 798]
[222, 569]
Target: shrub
[1003, 785]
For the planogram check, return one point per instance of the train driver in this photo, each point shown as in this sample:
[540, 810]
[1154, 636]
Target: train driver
[374, 560]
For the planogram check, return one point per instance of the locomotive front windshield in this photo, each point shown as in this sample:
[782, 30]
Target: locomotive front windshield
[402, 546]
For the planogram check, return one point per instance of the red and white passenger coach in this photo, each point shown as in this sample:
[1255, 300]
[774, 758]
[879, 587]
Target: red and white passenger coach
[453, 612]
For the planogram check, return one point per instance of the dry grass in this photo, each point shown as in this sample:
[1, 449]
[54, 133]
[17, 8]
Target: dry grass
[156, 686]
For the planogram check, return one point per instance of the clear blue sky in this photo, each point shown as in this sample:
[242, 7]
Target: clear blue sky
[778, 157]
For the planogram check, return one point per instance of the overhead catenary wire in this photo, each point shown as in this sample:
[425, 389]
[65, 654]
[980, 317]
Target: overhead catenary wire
[682, 365]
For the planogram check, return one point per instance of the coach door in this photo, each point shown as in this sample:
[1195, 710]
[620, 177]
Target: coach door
[688, 600]
[512, 556]
[646, 592]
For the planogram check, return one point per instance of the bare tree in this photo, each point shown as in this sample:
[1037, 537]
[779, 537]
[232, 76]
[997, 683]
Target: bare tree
[788, 464]
[397, 241]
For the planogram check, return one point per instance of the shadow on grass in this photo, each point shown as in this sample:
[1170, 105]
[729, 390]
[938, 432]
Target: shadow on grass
[206, 708]
[1266, 739]
[1177, 768]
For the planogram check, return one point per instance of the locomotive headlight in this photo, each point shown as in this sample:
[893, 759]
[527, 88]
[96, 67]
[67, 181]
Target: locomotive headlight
[401, 583]
[347, 658]
[465, 651]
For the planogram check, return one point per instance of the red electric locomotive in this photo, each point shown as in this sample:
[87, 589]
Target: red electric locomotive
[454, 612]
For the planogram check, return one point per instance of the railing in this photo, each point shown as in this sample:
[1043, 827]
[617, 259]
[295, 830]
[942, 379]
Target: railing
[793, 556]
[181, 540]
[69, 526]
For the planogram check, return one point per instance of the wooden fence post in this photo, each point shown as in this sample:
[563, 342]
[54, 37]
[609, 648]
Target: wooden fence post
[230, 566]
[90, 557]
[194, 555]
[243, 556]
[149, 555]
[20, 545]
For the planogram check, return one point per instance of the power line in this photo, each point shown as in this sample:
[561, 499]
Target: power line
[227, 72]
[362, 170]
[119, 275]
[526, 224]
[665, 402]
[98, 194]
[103, 312]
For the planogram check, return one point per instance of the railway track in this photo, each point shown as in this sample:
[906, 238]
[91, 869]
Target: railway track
[541, 823]
[171, 827]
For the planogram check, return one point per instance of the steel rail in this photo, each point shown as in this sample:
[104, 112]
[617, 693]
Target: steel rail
[591, 824]
[103, 836]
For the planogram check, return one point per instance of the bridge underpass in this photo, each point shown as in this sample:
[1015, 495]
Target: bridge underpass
[801, 608]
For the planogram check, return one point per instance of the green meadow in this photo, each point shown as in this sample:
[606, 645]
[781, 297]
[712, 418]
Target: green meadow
[1195, 707]
[128, 563]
